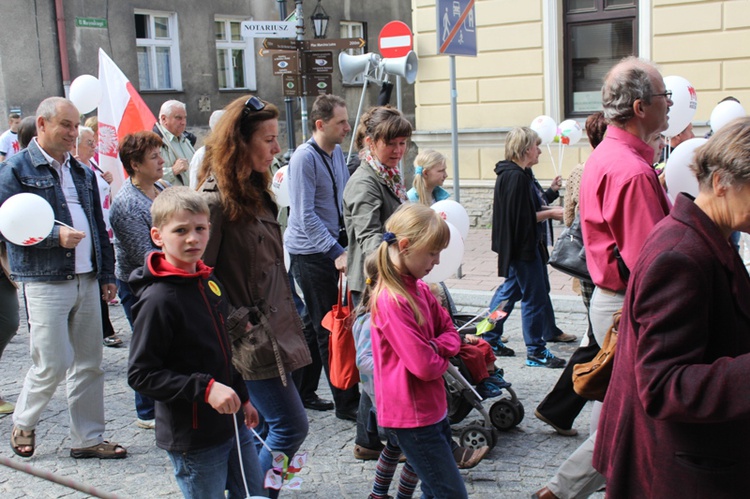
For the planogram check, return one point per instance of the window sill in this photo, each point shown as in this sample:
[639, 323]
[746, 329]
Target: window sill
[163, 91]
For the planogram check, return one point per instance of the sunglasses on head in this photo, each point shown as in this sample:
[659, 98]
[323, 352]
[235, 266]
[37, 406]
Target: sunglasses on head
[254, 104]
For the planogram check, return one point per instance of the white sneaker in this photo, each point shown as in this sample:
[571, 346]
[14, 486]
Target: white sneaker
[146, 424]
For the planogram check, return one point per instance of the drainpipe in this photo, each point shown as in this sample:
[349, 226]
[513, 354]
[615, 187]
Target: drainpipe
[62, 43]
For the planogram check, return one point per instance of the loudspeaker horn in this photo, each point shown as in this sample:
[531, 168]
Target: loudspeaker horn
[405, 66]
[352, 65]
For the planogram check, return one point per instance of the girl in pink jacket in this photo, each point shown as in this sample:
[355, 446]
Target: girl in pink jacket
[412, 340]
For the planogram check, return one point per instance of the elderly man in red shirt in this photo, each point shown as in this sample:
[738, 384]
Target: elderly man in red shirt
[621, 200]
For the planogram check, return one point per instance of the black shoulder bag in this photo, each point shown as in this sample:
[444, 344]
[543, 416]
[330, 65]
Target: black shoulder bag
[343, 239]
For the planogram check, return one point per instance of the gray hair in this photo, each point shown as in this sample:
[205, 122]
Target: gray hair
[82, 130]
[726, 154]
[626, 82]
[170, 107]
[49, 107]
[214, 119]
[518, 141]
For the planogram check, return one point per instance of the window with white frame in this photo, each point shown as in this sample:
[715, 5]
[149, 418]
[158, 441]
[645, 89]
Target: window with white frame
[157, 47]
[234, 56]
[355, 29]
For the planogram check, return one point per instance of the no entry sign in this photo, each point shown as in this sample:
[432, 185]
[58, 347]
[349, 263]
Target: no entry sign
[395, 40]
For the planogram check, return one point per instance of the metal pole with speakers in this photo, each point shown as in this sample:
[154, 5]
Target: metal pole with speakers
[351, 66]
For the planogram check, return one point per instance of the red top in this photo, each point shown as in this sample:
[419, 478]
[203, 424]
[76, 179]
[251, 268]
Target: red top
[621, 200]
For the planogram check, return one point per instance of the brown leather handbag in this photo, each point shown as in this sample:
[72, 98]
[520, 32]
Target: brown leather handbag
[591, 379]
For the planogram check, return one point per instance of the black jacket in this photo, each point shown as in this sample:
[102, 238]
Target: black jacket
[515, 232]
[179, 345]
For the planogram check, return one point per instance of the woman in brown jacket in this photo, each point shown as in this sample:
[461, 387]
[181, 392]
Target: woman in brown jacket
[246, 252]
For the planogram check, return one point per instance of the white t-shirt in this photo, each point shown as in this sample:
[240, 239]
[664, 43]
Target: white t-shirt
[9, 143]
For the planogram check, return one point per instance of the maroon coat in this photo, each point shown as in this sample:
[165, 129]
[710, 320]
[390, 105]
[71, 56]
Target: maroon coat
[676, 419]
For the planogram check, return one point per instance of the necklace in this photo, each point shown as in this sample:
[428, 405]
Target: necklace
[156, 191]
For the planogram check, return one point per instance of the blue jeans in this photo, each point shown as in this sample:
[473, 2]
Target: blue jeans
[428, 450]
[207, 473]
[144, 406]
[284, 417]
[528, 282]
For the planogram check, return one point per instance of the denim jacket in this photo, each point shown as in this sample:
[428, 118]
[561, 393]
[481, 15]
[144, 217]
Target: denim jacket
[29, 171]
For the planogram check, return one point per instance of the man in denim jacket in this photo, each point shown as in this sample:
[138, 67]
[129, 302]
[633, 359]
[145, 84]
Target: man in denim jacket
[64, 277]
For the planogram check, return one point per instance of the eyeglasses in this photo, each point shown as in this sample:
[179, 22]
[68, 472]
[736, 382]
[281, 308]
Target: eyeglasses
[667, 94]
[254, 104]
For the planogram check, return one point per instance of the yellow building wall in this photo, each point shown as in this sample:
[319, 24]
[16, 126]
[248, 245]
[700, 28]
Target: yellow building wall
[705, 41]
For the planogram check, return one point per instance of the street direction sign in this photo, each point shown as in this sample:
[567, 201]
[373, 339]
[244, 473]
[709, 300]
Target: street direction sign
[395, 40]
[318, 63]
[273, 29]
[456, 23]
[292, 86]
[279, 44]
[317, 84]
[285, 62]
[335, 44]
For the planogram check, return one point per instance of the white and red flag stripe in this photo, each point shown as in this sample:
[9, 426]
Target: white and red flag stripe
[121, 111]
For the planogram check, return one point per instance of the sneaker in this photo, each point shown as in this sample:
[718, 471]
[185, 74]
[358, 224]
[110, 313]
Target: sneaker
[545, 359]
[486, 389]
[497, 379]
[146, 424]
[501, 350]
[564, 338]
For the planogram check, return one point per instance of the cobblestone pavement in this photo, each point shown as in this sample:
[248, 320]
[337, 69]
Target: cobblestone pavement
[521, 462]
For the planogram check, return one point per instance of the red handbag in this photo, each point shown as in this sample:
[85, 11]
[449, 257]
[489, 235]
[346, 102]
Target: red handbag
[341, 350]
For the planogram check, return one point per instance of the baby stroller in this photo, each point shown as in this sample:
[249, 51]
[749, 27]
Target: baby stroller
[504, 414]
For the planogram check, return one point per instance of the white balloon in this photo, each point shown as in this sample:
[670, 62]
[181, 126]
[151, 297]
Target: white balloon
[572, 130]
[684, 104]
[545, 127]
[677, 172]
[724, 112]
[85, 93]
[454, 213]
[450, 258]
[280, 186]
[26, 219]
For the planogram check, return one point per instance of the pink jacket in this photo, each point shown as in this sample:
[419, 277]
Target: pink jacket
[410, 359]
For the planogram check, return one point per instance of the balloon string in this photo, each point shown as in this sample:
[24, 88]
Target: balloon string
[551, 158]
[64, 225]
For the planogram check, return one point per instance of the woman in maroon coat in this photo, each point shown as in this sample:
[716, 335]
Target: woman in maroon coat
[676, 419]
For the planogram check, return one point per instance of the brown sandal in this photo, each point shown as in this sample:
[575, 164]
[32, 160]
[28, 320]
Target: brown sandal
[102, 450]
[22, 438]
[468, 458]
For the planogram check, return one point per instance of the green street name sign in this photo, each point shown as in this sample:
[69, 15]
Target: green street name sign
[90, 22]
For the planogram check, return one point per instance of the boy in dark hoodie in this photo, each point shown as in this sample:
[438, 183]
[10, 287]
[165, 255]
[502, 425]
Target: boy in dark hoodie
[181, 356]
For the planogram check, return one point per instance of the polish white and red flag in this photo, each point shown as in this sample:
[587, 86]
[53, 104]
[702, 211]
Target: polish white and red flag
[121, 111]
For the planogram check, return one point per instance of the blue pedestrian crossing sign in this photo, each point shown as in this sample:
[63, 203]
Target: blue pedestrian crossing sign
[456, 27]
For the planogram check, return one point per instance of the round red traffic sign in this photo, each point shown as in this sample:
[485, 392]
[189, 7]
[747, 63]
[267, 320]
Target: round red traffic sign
[395, 40]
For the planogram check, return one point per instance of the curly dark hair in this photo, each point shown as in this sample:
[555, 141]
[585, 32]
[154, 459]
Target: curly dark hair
[596, 126]
[227, 150]
[135, 146]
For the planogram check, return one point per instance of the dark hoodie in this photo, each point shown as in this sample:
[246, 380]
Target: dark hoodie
[515, 232]
[179, 347]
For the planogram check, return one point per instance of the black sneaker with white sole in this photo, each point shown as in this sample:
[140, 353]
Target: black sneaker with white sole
[545, 359]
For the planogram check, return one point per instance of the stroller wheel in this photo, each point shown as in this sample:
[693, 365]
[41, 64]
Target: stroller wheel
[521, 412]
[476, 437]
[504, 414]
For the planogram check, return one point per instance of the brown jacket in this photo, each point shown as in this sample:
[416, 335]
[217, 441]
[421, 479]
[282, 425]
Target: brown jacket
[248, 259]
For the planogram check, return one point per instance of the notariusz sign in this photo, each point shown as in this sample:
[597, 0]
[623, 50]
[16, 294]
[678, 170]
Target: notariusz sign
[269, 29]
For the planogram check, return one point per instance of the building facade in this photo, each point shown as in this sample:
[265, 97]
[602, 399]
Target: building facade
[548, 57]
[173, 49]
